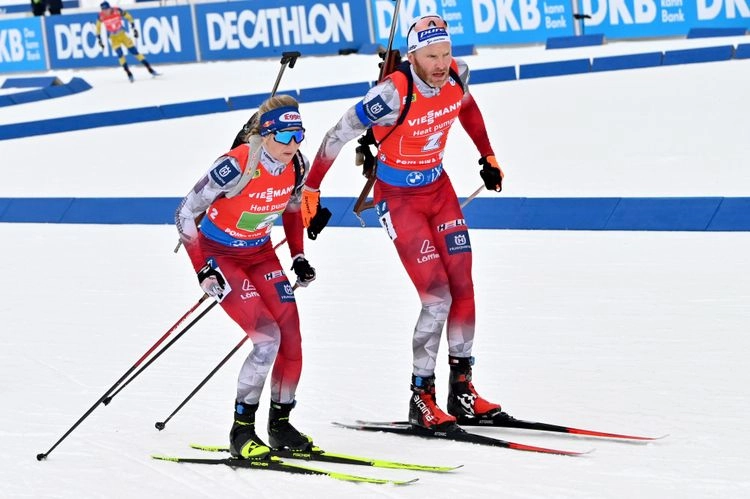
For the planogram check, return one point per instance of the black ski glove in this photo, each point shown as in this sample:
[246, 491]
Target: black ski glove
[101, 43]
[491, 173]
[135, 33]
[211, 281]
[305, 273]
[318, 222]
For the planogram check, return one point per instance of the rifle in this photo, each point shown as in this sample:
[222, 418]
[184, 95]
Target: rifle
[390, 59]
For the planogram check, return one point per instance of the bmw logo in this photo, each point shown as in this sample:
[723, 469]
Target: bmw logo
[415, 178]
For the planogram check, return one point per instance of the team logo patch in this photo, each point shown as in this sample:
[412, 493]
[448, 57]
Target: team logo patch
[248, 291]
[458, 242]
[376, 108]
[273, 275]
[384, 217]
[415, 178]
[451, 224]
[431, 33]
[290, 117]
[285, 291]
[427, 252]
[224, 172]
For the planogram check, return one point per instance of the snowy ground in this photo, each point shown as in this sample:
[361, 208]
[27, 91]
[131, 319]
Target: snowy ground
[622, 331]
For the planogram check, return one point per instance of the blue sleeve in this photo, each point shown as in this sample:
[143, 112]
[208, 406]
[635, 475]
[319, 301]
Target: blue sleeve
[372, 110]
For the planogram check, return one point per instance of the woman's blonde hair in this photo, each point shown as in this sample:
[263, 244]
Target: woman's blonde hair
[274, 102]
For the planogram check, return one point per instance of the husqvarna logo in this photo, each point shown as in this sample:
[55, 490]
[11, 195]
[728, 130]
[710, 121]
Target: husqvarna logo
[458, 242]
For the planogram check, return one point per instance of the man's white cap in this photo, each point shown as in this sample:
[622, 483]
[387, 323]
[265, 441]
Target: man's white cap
[425, 31]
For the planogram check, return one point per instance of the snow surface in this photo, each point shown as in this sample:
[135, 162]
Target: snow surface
[630, 332]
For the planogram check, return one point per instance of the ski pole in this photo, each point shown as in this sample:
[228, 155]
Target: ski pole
[473, 195]
[44, 455]
[161, 424]
[109, 398]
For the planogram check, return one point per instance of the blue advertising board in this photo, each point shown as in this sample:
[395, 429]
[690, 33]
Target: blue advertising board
[479, 22]
[266, 28]
[22, 45]
[166, 35]
[655, 18]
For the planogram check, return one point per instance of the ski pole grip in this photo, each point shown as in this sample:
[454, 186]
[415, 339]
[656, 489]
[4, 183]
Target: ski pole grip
[290, 57]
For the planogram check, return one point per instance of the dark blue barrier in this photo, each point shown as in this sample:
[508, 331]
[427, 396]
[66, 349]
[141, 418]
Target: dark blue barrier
[733, 214]
[4, 203]
[492, 75]
[57, 91]
[488, 213]
[566, 214]
[31, 81]
[195, 108]
[121, 211]
[29, 96]
[349, 90]
[556, 68]
[461, 50]
[663, 213]
[565, 42]
[253, 101]
[80, 122]
[743, 51]
[689, 56]
[46, 87]
[36, 210]
[712, 32]
[631, 61]
[647, 214]
[78, 85]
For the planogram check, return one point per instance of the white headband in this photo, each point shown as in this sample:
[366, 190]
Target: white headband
[420, 39]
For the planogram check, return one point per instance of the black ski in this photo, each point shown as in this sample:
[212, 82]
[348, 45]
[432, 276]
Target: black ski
[318, 454]
[504, 420]
[276, 464]
[455, 433]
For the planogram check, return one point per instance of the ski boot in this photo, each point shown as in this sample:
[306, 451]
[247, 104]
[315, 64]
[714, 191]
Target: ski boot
[463, 400]
[127, 71]
[281, 433]
[423, 409]
[150, 69]
[244, 443]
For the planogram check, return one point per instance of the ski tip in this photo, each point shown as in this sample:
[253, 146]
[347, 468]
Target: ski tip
[210, 448]
[661, 437]
[345, 425]
[613, 436]
[161, 457]
[405, 482]
[547, 450]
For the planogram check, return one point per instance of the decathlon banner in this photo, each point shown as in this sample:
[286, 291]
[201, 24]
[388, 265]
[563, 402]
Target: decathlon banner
[655, 18]
[479, 22]
[266, 28]
[166, 35]
[22, 45]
